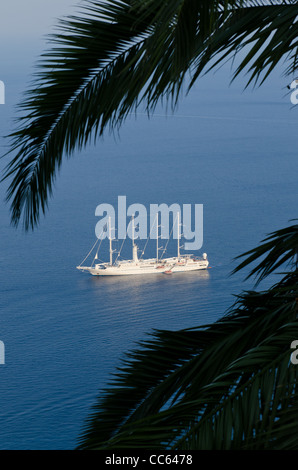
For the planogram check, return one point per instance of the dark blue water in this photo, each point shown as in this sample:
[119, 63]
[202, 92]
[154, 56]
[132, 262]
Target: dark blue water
[65, 332]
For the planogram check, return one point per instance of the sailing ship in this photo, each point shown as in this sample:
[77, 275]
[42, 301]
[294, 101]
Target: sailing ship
[139, 265]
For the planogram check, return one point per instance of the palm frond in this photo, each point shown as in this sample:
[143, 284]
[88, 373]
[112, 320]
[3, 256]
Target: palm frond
[180, 381]
[113, 56]
[280, 248]
[227, 385]
[267, 30]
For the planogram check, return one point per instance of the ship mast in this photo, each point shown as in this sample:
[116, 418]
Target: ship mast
[134, 246]
[132, 234]
[178, 236]
[157, 237]
[110, 237]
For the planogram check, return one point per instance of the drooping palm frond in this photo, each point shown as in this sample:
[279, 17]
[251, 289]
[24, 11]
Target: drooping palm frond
[228, 385]
[217, 387]
[284, 435]
[280, 248]
[117, 54]
[268, 30]
[249, 416]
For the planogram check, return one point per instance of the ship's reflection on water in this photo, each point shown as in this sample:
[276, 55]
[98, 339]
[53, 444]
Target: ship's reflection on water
[169, 301]
[140, 284]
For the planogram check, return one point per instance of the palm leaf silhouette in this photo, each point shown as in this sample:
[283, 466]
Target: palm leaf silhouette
[114, 56]
[228, 385]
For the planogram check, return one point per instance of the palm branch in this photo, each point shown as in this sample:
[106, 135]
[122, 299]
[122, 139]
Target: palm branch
[280, 247]
[112, 57]
[228, 385]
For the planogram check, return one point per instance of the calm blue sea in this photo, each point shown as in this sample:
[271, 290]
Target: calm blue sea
[65, 332]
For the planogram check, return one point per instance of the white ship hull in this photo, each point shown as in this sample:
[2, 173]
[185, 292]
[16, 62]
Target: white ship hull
[146, 267]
